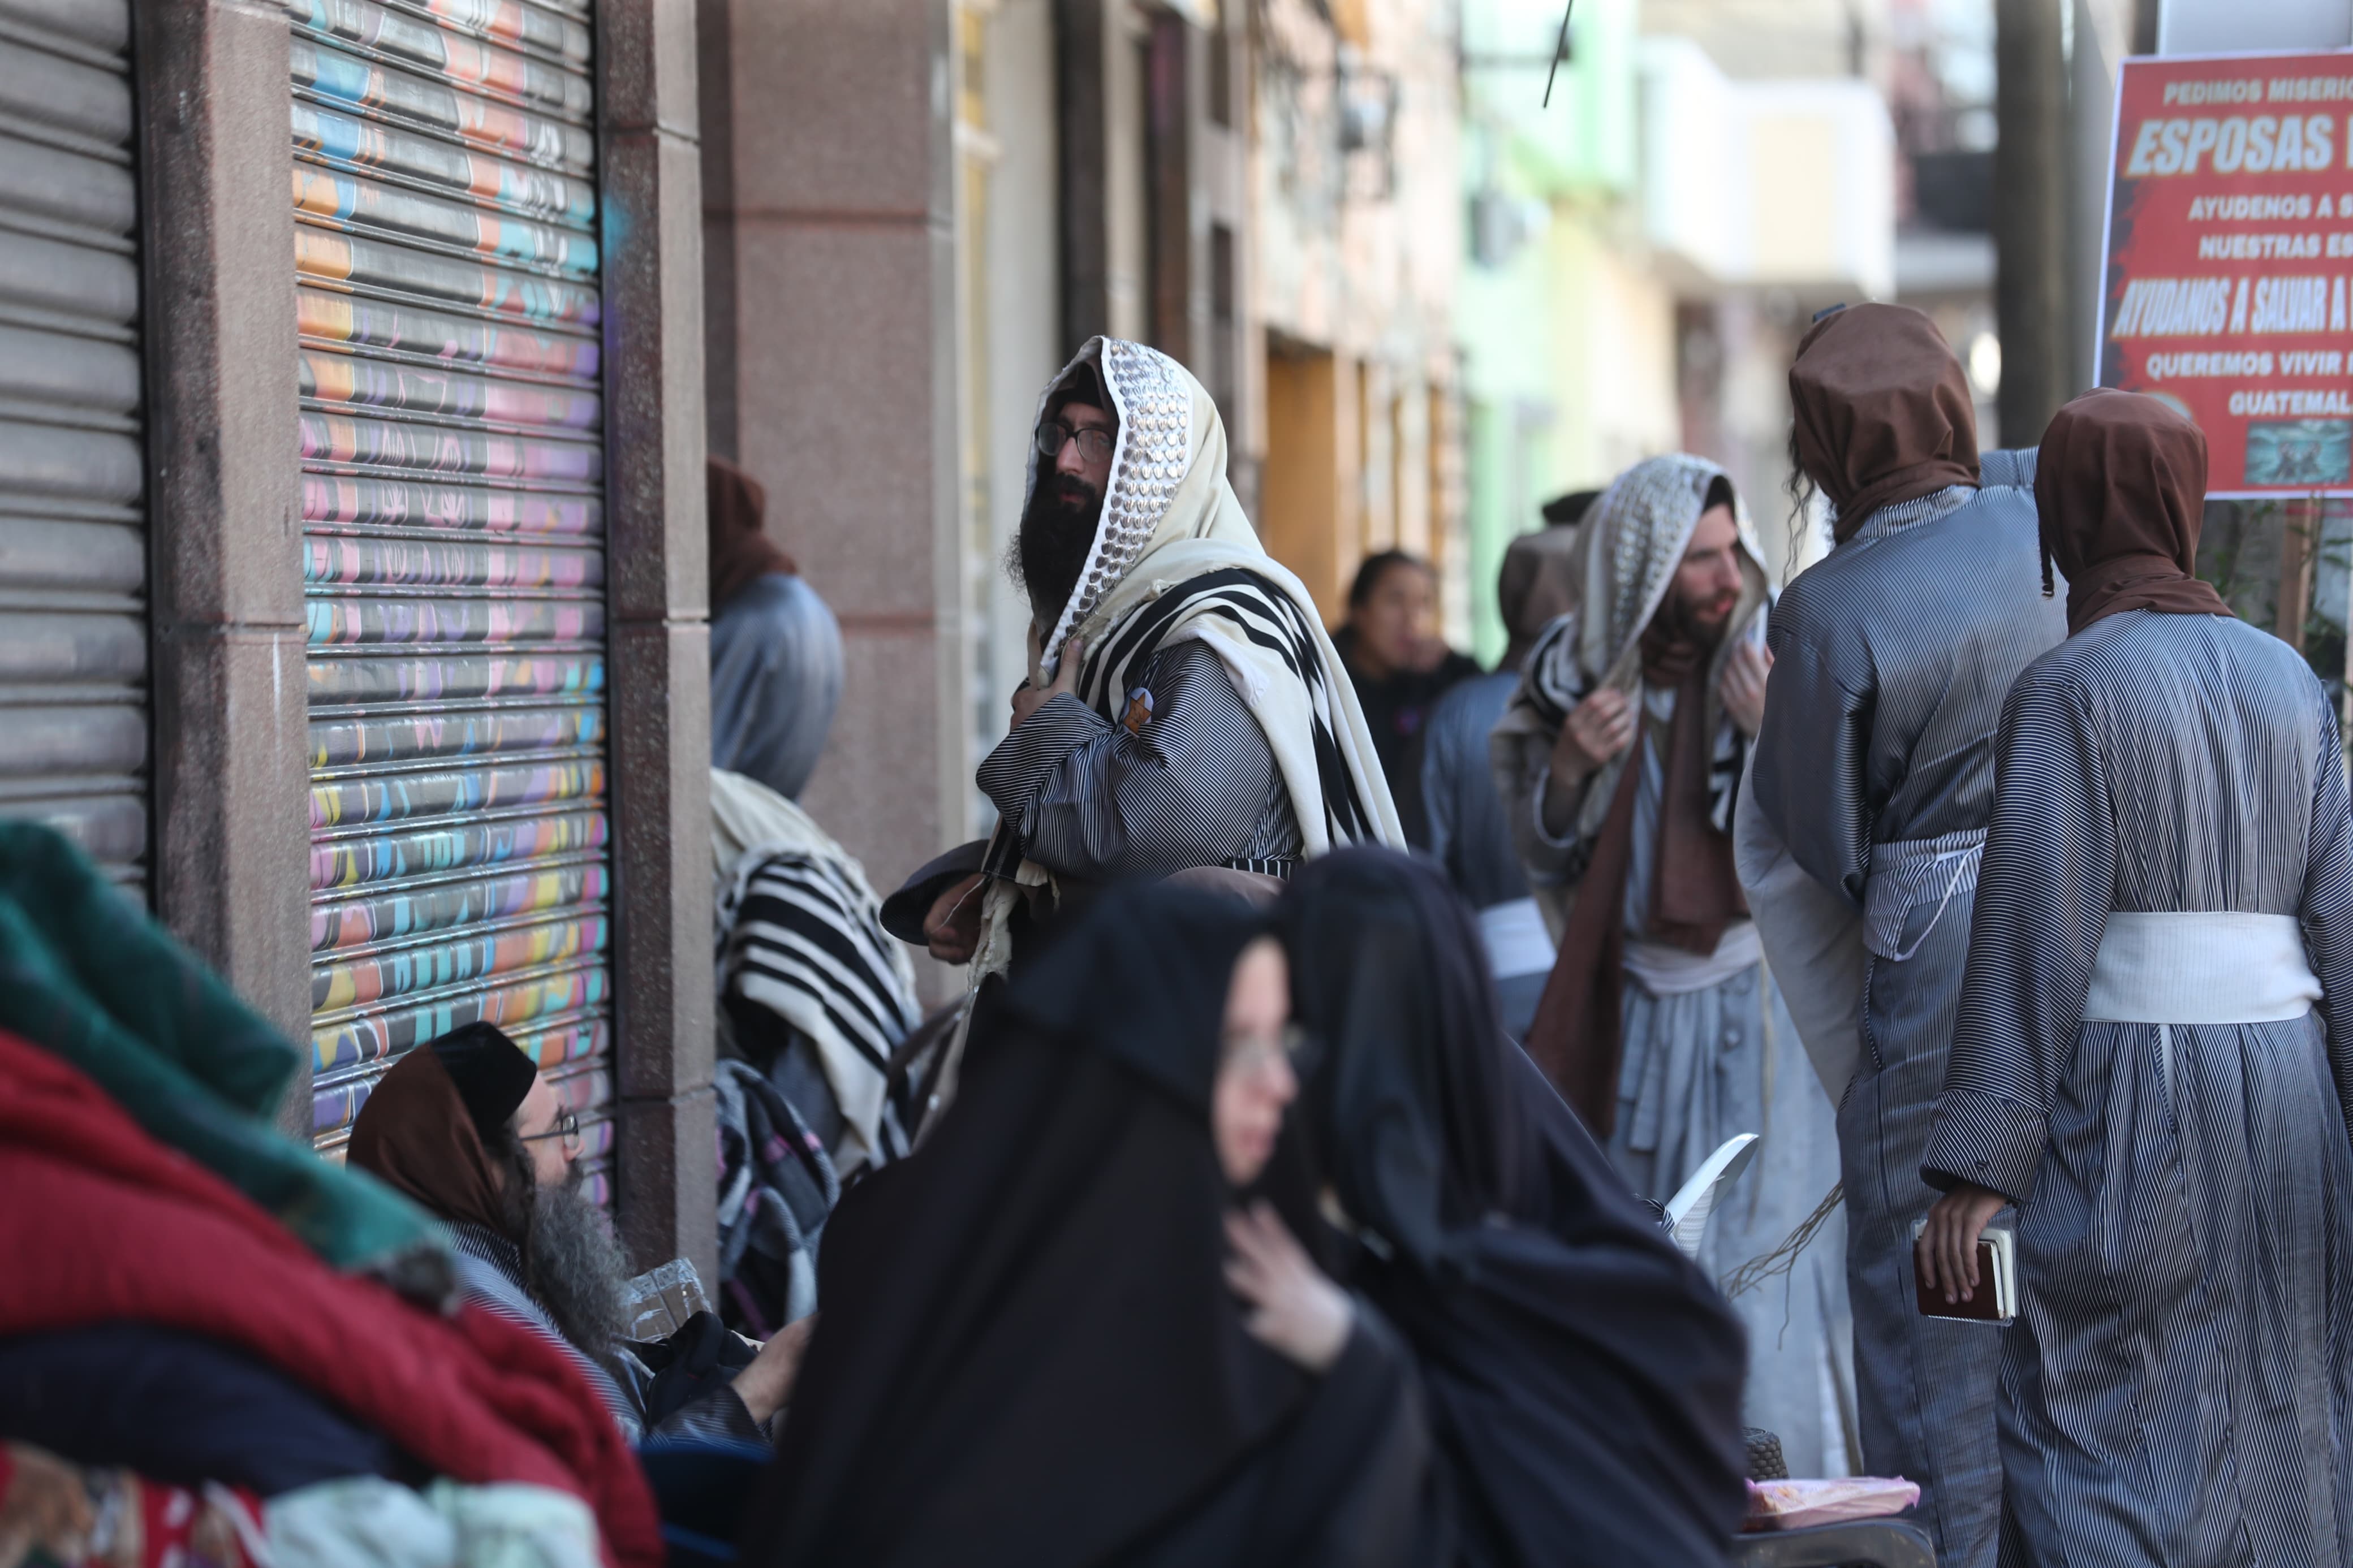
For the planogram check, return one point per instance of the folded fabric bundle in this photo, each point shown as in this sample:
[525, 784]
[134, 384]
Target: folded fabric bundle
[365, 1522]
[103, 1224]
[180, 1408]
[86, 975]
[61, 1515]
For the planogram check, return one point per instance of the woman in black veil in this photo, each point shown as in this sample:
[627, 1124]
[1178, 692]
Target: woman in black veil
[1582, 1379]
[1054, 1336]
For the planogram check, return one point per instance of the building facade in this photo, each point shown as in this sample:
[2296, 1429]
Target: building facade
[351, 562]
[1354, 419]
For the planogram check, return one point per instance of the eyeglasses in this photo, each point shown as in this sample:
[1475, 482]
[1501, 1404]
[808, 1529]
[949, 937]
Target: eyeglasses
[1094, 445]
[1286, 1043]
[567, 1127]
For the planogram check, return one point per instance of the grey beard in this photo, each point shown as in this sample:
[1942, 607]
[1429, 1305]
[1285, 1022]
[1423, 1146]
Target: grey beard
[574, 1265]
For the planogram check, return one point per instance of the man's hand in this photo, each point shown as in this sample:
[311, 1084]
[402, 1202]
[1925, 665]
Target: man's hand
[1297, 1313]
[767, 1382]
[951, 926]
[1030, 699]
[1744, 686]
[1597, 730]
[1947, 1252]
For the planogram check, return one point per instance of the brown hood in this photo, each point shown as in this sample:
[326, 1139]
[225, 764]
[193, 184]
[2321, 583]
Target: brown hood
[2121, 489]
[415, 1135]
[740, 551]
[1540, 582]
[1882, 410]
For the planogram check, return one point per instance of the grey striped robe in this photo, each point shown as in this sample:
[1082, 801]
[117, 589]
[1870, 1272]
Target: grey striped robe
[2178, 1386]
[1193, 784]
[1891, 660]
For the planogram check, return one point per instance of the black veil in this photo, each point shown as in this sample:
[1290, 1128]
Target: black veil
[1583, 1380]
[1027, 1352]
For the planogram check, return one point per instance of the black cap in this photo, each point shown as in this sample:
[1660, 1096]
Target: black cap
[491, 1071]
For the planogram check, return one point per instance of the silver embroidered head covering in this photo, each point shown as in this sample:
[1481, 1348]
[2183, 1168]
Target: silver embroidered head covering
[1153, 398]
[1634, 542]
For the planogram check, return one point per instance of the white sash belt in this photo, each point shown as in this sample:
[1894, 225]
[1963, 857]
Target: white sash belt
[1664, 970]
[2202, 967]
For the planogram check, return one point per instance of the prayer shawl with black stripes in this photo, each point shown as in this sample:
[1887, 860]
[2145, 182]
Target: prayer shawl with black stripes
[800, 933]
[1174, 560]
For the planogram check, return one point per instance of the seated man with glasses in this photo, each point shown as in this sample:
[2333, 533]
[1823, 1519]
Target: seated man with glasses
[466, 1126]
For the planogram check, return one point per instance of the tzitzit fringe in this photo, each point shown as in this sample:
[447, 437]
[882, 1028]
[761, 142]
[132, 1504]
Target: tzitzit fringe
[1782, 1258]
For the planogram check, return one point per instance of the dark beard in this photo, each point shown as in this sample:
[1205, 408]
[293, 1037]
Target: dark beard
[1058, 529]
[572, 1265]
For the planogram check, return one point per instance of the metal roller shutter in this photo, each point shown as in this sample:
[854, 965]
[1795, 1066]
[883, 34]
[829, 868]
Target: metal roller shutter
[73, 545]
[447, 268]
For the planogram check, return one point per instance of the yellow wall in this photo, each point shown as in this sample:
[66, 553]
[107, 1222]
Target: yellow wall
[1299, 502]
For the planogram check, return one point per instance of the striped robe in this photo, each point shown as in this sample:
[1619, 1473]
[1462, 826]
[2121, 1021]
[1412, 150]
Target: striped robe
[1703, 1065]
[1890, 659]
[2178, 1386]
[1194, 783]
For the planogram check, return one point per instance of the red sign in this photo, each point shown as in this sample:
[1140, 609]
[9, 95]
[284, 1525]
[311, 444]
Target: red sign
[2229, 248]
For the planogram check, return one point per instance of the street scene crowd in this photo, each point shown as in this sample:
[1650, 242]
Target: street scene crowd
[1858, 1056]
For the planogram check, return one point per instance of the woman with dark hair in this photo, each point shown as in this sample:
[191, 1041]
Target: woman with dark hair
[1055, 1335]
[1401, 667]
[1583, 1381]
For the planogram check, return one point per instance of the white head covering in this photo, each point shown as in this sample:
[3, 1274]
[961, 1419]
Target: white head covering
[1633, 543]
[1167, 473]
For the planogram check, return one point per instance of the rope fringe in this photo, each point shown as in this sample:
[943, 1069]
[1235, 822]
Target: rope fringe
[1782, 1258]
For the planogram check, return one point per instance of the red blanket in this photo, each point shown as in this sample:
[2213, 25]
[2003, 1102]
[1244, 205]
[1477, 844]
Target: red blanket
[102, 1221]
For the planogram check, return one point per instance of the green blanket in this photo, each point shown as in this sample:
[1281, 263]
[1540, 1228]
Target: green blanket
[86, 974]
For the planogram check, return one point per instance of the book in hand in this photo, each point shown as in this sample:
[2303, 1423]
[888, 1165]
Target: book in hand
[1994, 1297]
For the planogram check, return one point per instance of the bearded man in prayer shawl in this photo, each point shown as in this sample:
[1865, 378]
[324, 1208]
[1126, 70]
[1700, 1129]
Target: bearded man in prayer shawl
[1185, 708]
[1859, 831]
[1619, 755]
[2154, 1057]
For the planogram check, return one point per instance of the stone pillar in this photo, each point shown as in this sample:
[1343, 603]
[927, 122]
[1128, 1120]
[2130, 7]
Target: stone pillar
[840, 372]
[232, 843]
[660, 639]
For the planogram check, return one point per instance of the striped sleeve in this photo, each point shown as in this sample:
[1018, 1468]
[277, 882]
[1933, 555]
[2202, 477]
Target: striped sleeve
[2044, 891]
[1551, 684]
[2327, 909]
[1190, 784]
[1810, 777]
